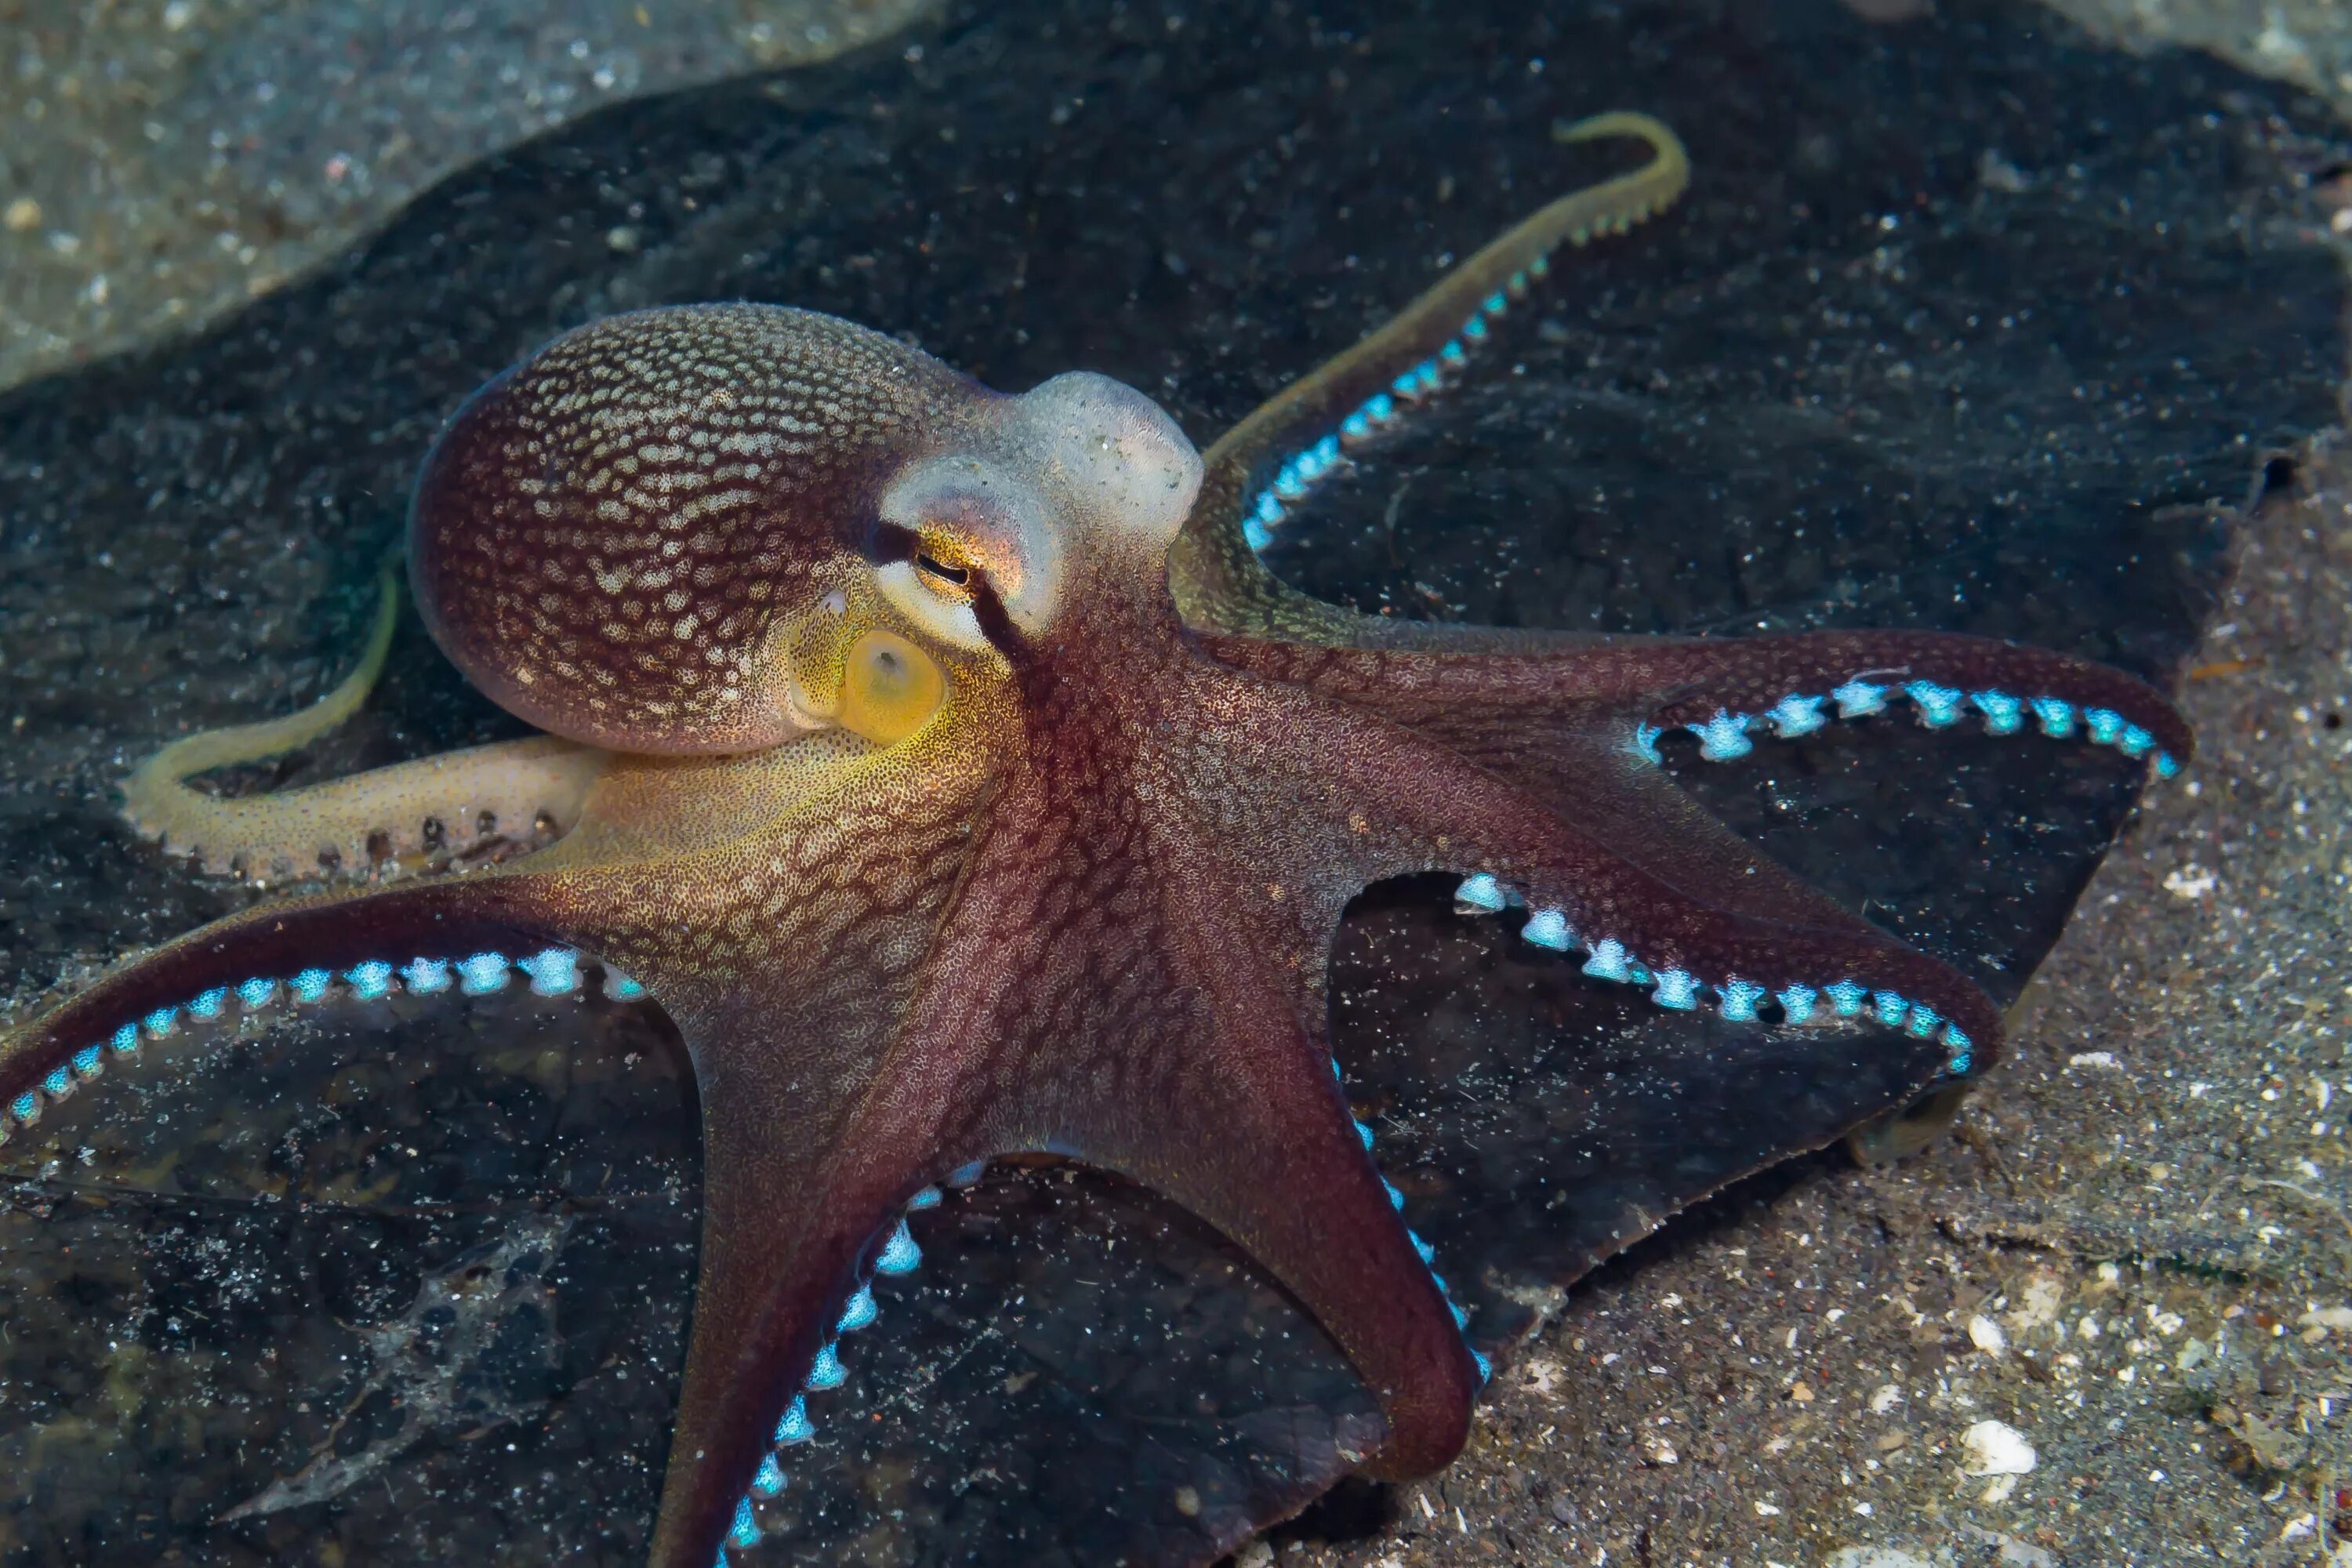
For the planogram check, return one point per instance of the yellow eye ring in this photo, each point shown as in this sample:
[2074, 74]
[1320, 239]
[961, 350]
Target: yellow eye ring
[889, 687]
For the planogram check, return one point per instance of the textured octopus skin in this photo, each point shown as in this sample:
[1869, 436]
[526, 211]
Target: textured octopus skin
[948, 768]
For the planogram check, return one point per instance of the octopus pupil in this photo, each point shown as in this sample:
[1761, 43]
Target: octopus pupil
[941, 569]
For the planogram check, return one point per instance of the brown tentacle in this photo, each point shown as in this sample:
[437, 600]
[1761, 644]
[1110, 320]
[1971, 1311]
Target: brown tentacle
[1666, 918]
[1729, 688]
[1175, 962]
[510, 788]
[1214, 567]
[299, 947]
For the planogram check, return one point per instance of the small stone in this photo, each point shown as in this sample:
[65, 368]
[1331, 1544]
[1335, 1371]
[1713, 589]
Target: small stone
[1995, 1449]
[22, 214]
[1986, 1335]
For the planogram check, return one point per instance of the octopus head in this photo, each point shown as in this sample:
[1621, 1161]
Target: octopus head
[714, 528]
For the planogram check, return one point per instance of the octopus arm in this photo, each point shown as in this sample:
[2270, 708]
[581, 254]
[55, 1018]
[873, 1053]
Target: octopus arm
[368, 940]
[1263, 465]
[1729, 690]
[1647, 905]
[1142, 990]
[511, 788]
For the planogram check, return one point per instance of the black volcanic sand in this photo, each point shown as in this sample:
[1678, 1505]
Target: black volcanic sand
[1965, 324]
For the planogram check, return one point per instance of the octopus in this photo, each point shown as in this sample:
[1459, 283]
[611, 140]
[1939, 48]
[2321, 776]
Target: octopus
[950, 770]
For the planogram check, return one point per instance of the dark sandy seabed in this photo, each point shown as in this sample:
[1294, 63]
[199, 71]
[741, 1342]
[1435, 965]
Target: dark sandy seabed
[1967, 322]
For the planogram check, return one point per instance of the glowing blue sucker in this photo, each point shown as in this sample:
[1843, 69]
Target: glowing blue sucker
[58, 1084]
[620, 987]
[2134, 742]
[796, 1426]
[1609, 961]
[209, 1004]
[1396, 1198]
[899, 1254]
[1846, 997]
[426, 976]
[965, 1175]
[1723, 737]
[371, 979]
[1364, 1131]
[257, 993]
[1428, 1253]
[745, 1533]
[1891, 1008]
[26, 1108]
[1922, 1021]
[770, 1481]
[1255, 534]
[1857, 699]
[1485, 1368]
[928, 1198]
[1938, 706]
[1956, 1040]
[483, 974]
[1496, 304]
[859, 1313]
[1739, 999]
[1794, 716]
[1480, 895]
[1475, 329]
[2166, 764]
[2104, 725]
[1797, 1003]
[86, 1064]
[1676, 989]
[2003, 714]
[1645, 741]
[825, 1372]
[2055, 715]
[555, 973]
[1548, 928]
[159, 1022]
[310, 984]
[1461, 1318]
[126, 1040]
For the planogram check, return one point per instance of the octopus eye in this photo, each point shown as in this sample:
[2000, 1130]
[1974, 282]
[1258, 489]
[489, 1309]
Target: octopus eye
[938, 572]
[889, 687]
[942, 576]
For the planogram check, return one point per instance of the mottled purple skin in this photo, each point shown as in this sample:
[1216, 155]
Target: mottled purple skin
[1087, 907]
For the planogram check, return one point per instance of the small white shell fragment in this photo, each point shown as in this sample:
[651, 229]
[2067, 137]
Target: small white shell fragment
[1986, 1335]
[1995, 1449]
[2038, 1307]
